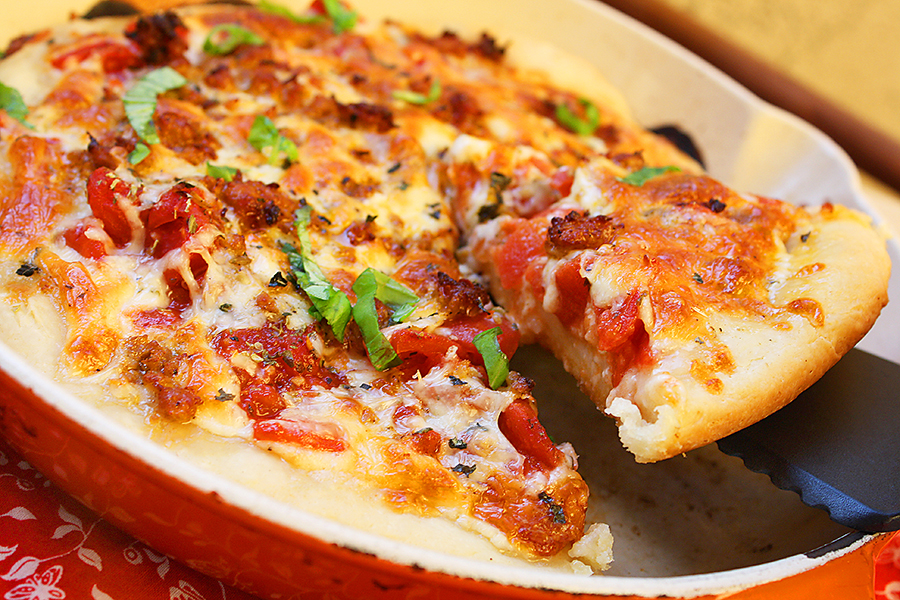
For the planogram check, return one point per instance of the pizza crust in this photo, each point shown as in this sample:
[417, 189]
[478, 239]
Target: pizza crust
[842, 265]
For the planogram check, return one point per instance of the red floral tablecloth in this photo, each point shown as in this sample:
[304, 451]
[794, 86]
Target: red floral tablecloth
[52, 547]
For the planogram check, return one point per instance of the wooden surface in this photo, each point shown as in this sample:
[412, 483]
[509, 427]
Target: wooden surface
[872, 149]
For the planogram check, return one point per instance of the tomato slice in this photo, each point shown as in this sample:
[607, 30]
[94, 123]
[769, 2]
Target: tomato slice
[516, 256]
[425, 350]
[420, 350]
[464, 329]
[105, 195]
[288, 362]
[77, 239]
[617, 325]
[261, 400]
[172, 220]
[313, 436]
[114, 55]
[574, 293]
[520, 425]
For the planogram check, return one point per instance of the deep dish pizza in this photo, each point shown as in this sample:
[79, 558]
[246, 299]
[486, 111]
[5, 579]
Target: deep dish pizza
[270, 226]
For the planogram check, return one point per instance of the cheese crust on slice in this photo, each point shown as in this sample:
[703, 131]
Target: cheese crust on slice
[686, 310]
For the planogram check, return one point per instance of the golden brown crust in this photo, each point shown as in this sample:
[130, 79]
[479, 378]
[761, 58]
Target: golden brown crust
[703, 352]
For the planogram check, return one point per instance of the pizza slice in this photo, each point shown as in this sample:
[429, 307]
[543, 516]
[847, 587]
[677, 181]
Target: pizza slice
[686, 310]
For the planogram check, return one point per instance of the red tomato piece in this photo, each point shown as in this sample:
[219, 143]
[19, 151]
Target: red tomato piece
[174, 218]
[156, 318]
[289, 363]
[617, 325]
[105, 194]
[317, 8]
[520, 425]
[420, 350]
[427, 442]
[77, 239]
[574, 293]
[464, 329]
[562, 181]
[516, 256]
[177, 290]
[304, 434]
[114, 55]
[423, 350]
[261, 400]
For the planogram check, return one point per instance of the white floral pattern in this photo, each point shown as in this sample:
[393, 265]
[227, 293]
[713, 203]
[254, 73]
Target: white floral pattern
[39, 587]
[890, 592]
[89, 558]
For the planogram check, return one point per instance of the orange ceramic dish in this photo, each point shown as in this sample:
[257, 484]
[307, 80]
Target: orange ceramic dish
[219, 528]
[694, 528]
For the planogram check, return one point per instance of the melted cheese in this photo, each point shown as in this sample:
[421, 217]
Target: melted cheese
[203, 324]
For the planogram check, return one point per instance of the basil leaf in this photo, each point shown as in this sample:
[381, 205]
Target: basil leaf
[342, 18]
[264, 134]
[495, 361]
[11, 101]
[221, 171]
[140, 100]
[301, 224]
[399, 298]
[573, 123]
[330, 303]
[140, 152]
[434, 93]
[283, 11]
[226, 37]
[378, 347]
[642, 176]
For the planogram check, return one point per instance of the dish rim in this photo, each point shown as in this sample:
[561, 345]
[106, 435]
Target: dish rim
[105, 432]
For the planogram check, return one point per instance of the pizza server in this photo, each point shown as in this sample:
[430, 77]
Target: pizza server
[837, 444]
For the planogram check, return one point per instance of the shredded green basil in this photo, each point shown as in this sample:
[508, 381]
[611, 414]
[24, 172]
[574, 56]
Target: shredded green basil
[140, 152]
[495, 361]
[221, 171]
[140, 100]
[264, 137]
[11, 101]
[283, 11]
[399, 298]
[342, 18]
[225, 38]
[573, 123]
[334, 306]
[642, 176]
[328, 302]
[378, 347]
[434, 92]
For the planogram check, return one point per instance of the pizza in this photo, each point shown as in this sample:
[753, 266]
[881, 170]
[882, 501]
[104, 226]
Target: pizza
[323, 239]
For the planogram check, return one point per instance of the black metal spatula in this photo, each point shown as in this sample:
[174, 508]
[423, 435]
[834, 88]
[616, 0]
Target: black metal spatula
[837, 444]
